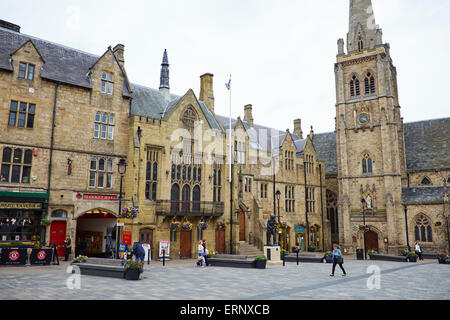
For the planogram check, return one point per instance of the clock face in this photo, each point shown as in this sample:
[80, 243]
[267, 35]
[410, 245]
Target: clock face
[364, 118]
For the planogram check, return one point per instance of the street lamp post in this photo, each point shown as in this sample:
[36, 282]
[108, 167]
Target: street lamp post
[363, 202]
[278, 195]
[122, 168]
[406, 226]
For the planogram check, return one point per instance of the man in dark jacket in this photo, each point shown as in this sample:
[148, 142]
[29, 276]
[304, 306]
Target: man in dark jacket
[138, 251]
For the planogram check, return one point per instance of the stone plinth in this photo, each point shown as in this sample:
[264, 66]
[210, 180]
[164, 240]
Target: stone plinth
[273, 255]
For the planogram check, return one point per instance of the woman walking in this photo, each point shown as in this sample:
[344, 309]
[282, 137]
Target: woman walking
[205, 254]
[337, 260]
[200, 254]
[418, 250]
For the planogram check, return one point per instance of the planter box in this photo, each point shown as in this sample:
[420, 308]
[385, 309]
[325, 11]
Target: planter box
[429, 255]
[260, 264]
[101, 270]
[384, 257]
[412, 259]
[232, 263]
[132, 274]
[328, 259]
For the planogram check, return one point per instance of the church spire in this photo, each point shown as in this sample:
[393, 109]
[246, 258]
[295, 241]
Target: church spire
[164, 86]
[363, 33]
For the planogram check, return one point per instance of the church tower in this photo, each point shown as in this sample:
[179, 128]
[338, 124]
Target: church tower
[369, 133]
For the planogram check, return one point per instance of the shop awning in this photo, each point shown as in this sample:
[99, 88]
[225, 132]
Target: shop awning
[10, 194]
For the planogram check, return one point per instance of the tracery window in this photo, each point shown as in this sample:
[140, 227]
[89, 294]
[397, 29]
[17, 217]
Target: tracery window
[367, 164]
[423, 231]
[354, 87]
[151, 176]
[369, 83]
[189, 118]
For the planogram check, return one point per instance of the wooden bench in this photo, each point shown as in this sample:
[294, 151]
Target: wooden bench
[101, 267]
[384, 257]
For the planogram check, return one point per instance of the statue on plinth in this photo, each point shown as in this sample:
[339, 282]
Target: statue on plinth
[271, 231]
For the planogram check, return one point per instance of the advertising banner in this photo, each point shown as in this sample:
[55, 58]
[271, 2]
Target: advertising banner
[13, 256]
[127, 237]
[164, 245]
[41, 257]
[147, 250]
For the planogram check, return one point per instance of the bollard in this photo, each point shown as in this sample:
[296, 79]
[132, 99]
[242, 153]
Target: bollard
[284, 259]
[164, 258]
[297, 258]
[148, 262]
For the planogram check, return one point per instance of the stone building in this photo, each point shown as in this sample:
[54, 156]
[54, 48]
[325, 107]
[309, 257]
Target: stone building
[64, 129]
[378, 169]
[179, 173]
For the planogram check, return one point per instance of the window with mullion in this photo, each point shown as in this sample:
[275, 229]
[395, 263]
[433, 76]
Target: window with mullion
[22, 70]
[16, 166]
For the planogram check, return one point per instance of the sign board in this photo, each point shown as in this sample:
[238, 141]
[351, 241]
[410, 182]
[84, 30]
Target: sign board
[127, 237]
[20, 206]
[147, 250]
[164, 245]
[120, 222]
[101, 197]
[122, 249]
[41, 257]
[300, 229]
[13, 256]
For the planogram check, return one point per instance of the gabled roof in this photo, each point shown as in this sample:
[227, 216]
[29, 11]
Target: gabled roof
[325, 144]
[62, 64]
[149, 102]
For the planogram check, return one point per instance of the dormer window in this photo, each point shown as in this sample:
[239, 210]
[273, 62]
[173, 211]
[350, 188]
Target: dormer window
[107, 82]
[26, 71]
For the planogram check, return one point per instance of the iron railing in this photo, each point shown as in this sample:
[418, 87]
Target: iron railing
[189, 208]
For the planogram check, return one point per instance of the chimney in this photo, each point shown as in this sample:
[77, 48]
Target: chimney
[9, 26]
[248, 114]
[119, 52]
[207, 90]
[298, 128]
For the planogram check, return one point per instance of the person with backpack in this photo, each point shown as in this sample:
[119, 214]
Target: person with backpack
[138, 251]
[337, 260]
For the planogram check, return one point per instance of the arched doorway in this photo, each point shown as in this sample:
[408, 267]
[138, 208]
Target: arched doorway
[372, 240]
[314, 234]
[95, 232]
[175, 199]
[220, 240]
[196, 199]
[186, 199]
[241, 225]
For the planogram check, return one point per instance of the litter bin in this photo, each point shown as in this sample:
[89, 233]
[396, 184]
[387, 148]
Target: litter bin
[359, 254]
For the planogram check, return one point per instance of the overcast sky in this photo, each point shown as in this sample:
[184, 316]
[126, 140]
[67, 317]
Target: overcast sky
[281, 54]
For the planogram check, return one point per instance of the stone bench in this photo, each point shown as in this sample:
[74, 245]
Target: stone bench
[106, 262]
[429, 255]
[99, 270]
[230, 256]
[384, 257]
[233, 263]
[303, 258]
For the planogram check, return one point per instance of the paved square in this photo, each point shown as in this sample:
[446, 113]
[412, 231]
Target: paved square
[182, 280]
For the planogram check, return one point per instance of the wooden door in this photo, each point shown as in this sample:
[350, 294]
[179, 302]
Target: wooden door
[220, 241]
[372, 240]
[58, 235]
[185, 244]
[241, 225]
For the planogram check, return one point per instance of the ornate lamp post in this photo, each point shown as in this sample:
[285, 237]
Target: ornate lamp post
[363, 202]
[122, 168]
[278, 196]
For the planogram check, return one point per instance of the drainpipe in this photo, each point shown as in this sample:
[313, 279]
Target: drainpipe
[306, 208]
[321, 207]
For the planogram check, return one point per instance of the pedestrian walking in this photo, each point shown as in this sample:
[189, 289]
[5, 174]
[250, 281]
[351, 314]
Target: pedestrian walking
[205, 254]
[200, 254]
[337, 260]
[67, 248]
[418, 250]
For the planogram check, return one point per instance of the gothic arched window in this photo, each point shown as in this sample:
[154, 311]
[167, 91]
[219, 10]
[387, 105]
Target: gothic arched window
[360, 43]
[189, 119]
[367, 164]
[426, 181]
[369, 83]
[423, 231]
[354, 87]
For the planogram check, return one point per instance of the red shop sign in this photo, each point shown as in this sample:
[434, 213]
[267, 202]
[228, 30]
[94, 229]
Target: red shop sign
[99, 197]
[127, 237]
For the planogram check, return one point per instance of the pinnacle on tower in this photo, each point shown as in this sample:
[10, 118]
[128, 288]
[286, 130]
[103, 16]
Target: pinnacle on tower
[363, 33]
[164, 86]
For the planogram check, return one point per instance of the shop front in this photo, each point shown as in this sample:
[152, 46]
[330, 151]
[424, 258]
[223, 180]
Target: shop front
[22, 227]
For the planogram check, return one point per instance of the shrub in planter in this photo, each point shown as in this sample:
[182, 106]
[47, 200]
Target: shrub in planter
[133, 269]
[260, 262]
[442, 257]
[328, 256]
[412, 257]
[372, 252]
[80, 259]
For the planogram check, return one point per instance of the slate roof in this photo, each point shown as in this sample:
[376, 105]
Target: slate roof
[423, 194]
[262, 137]
[62, 64]
[427, 146]
[149, 102]
[325, 144]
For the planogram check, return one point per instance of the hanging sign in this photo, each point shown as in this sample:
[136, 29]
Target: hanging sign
[127, 237]
[121, 222]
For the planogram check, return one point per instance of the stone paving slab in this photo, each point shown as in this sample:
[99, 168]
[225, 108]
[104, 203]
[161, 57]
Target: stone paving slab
[182, 280]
